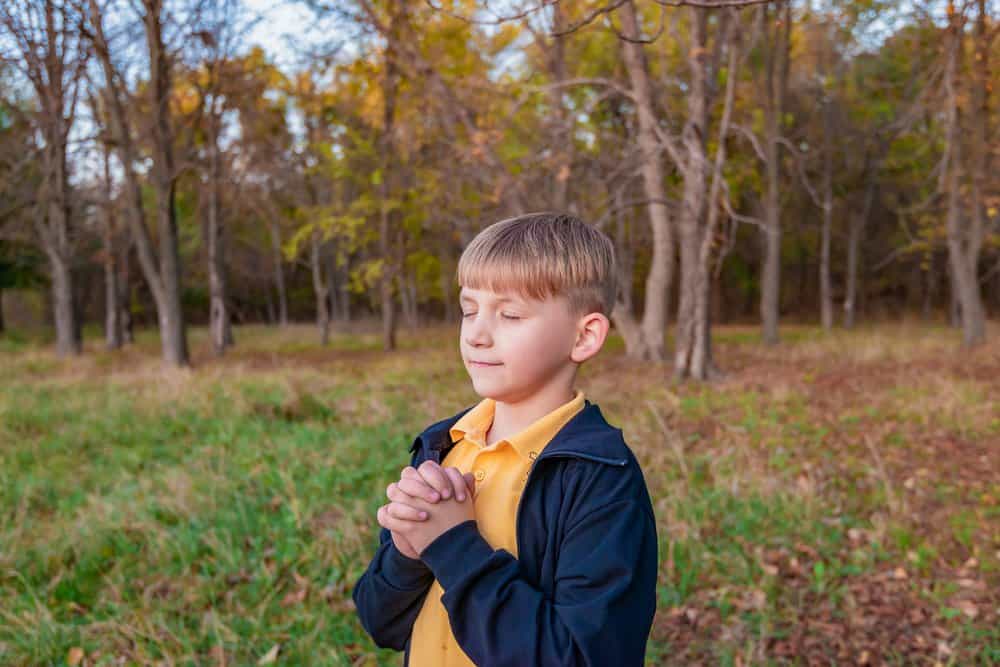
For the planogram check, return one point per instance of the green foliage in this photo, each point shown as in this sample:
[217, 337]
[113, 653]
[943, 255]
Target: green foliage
[21, 266]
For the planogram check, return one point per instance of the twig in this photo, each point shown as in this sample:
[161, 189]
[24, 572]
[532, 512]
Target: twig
[673, 440]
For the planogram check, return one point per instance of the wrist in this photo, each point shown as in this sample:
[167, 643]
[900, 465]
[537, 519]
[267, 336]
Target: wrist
[405, 571]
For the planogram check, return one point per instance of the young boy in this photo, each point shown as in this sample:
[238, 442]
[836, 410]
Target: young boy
[522, 533]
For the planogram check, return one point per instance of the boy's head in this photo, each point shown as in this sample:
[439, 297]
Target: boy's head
[537, 291]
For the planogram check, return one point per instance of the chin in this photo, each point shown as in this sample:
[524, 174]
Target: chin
[486, 390]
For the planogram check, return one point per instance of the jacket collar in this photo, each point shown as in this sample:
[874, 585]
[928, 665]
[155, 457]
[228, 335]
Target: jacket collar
[587, 435]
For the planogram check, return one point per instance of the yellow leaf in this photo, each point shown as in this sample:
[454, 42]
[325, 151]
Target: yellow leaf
[74, 656]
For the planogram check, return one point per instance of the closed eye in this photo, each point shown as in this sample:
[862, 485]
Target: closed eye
[508, 316]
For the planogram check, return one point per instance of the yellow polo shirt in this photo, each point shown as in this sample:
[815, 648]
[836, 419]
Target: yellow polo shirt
[501, 470]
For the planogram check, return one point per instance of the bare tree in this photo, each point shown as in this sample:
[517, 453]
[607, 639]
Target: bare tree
[965, 232]
[218, 34]
[700, 213]
[778, 27]
[161, 269]
[388, 222]
[645, 340]
[114, 329]
[47, 49]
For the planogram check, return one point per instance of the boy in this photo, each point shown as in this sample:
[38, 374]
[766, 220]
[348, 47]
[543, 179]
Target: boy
[522, 533]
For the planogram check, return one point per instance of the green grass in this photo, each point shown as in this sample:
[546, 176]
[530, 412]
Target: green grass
[163, 516]
[187, 525]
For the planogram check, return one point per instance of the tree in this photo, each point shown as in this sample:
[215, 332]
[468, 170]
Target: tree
[161, 266]
[966, 229]
[51, 56]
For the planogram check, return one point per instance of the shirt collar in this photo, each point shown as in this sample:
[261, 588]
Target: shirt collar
[475, 423]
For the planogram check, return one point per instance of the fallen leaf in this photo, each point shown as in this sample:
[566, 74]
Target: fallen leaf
[74, 656]
[293, 598]
[968, 608]
[269, 657]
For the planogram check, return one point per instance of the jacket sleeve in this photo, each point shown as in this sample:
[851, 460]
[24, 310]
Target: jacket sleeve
[599, 613]
[390, 593]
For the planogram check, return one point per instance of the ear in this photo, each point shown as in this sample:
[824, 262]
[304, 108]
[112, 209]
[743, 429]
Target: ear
[591, 332]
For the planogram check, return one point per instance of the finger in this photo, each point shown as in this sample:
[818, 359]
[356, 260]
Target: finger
[390, 522]
[398, 494]
[470, 483]
[457, 483]
[380, 516]
[405, 512]
[433, 475]
[418, 488]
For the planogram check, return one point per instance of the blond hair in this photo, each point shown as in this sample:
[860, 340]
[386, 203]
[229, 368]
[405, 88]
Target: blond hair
[540, 255]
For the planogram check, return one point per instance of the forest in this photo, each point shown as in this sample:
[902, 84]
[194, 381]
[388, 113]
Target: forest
[754, 162]
[229, 232]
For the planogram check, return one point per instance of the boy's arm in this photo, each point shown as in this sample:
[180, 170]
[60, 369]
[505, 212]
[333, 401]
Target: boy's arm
[390, 593]
[599, 613]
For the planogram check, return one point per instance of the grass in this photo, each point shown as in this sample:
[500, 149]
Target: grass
[827, 497]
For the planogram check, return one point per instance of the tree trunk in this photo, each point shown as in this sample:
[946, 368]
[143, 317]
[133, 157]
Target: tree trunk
[320, 289]
[38, 31]
[965, 234]
[279, 273]
[825, 283]
[173, 334]
[345, 290]
[646, 340]
[929, 283]
[112, 312]
[777, 81]
[63, 308]
[855, 236]
[447, 289]
[387, 230]
[692, 351]
[219, 316]
[112, 309]
[162, 273]
[125, 293]
[562, 132]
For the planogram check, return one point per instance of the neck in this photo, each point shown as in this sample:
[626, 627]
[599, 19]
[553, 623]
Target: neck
[510, 418]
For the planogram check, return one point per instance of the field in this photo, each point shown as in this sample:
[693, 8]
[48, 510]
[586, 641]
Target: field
[833, 500]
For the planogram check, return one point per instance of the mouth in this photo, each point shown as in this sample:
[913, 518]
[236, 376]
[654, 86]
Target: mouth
[483, 364]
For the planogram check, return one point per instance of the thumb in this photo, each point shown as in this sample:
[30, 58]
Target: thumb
[470, 482]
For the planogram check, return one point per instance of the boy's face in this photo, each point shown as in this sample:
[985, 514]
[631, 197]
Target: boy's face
[515, 346]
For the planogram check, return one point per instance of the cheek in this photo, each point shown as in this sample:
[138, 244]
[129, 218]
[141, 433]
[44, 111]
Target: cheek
[540, 344]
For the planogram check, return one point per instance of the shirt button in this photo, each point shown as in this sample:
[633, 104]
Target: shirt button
[532, 455]
[480, 475]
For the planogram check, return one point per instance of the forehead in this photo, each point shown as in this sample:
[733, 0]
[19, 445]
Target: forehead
[469, 294]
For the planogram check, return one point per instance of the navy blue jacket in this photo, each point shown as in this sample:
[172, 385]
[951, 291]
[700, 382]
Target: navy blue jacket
[583, 588]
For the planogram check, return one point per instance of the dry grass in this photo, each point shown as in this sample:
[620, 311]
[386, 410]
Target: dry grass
[807, 503]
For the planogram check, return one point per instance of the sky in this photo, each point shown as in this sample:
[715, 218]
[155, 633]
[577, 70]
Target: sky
[285, 27]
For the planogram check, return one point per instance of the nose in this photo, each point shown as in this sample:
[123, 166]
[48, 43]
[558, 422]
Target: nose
[476, 332]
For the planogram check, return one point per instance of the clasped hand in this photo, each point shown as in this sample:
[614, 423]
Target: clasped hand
[425, 503]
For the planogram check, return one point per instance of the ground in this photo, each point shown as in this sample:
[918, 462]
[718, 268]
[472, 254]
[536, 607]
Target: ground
[834, 499]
